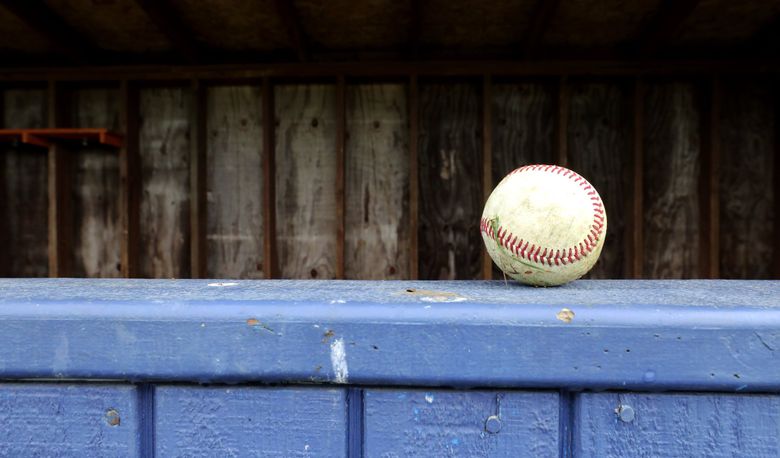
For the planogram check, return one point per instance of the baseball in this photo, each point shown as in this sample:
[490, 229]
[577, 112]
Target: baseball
[544, 225]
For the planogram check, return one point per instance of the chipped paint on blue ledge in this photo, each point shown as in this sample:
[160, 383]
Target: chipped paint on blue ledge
[640, 335]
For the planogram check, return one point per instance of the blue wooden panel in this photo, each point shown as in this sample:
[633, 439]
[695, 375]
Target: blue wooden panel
[465, 423]
[638, 335]
[68, 420]
[250, 421]
[711, 425]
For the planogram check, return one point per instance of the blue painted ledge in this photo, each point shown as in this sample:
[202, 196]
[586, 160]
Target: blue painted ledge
[638, 335]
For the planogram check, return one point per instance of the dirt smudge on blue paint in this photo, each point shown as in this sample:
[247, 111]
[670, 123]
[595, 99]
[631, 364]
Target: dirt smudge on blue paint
[258, 325]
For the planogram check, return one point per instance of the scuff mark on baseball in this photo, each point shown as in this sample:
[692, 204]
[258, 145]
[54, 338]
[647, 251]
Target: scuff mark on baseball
[544, 225]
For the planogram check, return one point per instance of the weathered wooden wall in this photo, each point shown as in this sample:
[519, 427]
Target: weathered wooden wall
[377, 183]
[306, 180]
[95, 187]
[450, 182]
[235, 182]
[410, 159]
[164, 136]
[23, 210]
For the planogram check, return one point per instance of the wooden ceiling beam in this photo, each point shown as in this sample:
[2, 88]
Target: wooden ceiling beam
[292, 23]
[541, 17]
[662, 26]
[62, 37]
[414, 29]
[169, 23]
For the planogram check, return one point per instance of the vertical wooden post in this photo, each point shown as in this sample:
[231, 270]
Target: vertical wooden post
[562, 124]
[635, 221]
[130, 179]
[198, 209]
[709, 197]
[59, 188]
[487, 160]
[270, 267]
[414, 185]
[340, 170]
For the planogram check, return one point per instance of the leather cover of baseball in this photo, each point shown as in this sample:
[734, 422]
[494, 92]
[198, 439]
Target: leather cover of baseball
[544, 225]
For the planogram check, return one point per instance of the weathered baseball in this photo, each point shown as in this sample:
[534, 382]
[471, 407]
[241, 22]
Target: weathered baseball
[544, 225]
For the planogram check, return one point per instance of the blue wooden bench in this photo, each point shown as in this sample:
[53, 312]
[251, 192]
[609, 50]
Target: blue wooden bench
[386, 369]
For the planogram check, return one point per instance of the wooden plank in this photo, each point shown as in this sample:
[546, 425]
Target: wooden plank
[541, 17]
[95, 194]
[522, 131]
[47, 419]
[198, 163]
[241, 421]
[165, 169]
[270, 256]
[599, 137]
[390, 68]
[60, 176]
[671, 185]
[341, 126]
[662, 26]
[450, 191]
[708, 181]
[716, 425]
[170, 24]
[748, 196]
[129, 180]
[635, 222]
[625, 335]
[307, 226]
[461, 423]
[377, 183]
[562, 123]
[288, 15]
[24, 184]
[487, 160]
[61, 36]
[414, 177]
[235, 182]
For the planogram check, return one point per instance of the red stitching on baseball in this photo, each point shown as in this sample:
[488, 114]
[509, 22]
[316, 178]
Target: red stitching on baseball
[521, 248]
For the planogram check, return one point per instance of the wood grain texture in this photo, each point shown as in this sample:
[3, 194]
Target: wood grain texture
[446, 423]
[60, 171]
[634, 209]
[450, 163]
[487, 159]
[270, 255]
[130, 179]
[377, 183]
[671, 185]
[198, 180]
[24, 210]
[523, 131]
[306, 229]
[235, 182]
[164, 149]
[95, 190]
[599, 139]
[65, 420]
[712, 425]
[746, 183]
[341, 157]
[414, 177]
[250, 421]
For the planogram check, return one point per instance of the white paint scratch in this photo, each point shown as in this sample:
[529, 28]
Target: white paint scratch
[223, 284]
[338, 301]
[429, 398]
[338, 359]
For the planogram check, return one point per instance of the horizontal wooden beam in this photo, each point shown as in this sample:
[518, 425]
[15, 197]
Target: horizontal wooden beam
[397, 69]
